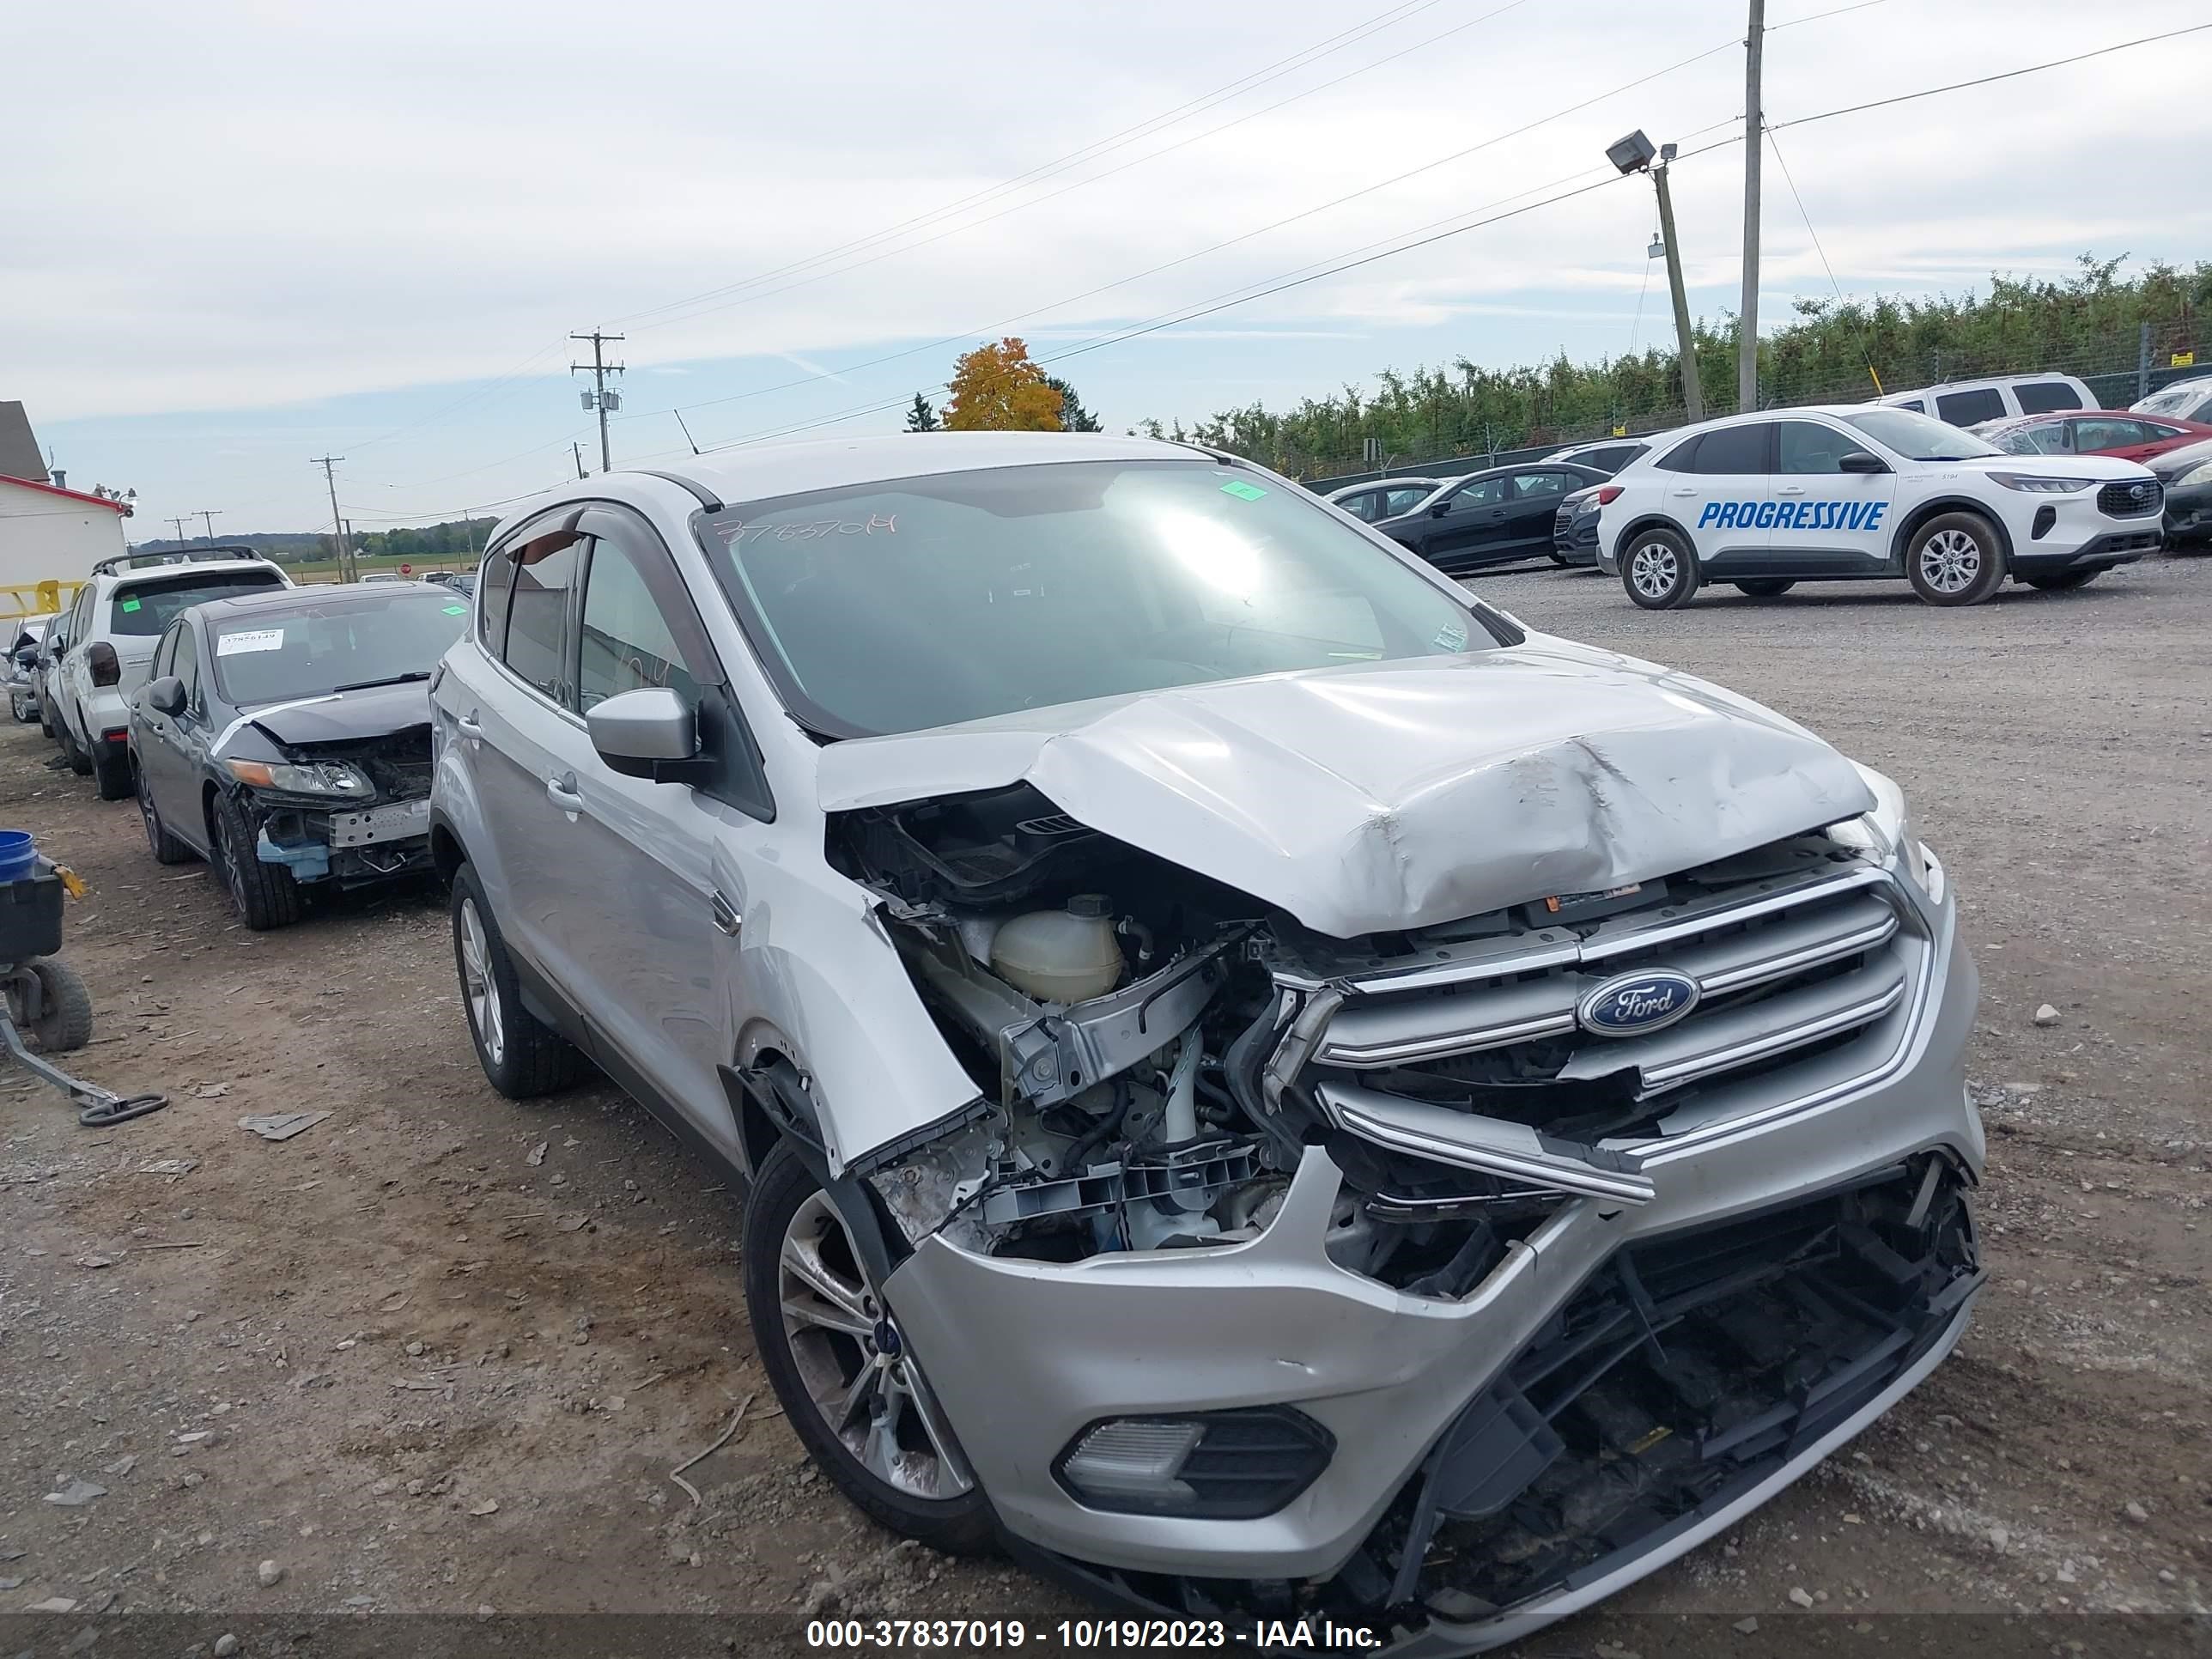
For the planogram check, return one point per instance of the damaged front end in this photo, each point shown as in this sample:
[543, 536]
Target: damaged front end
[348, 813]
[1440, 1279]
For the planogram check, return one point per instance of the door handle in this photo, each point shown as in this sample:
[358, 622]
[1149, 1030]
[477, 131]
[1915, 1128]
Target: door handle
[467, 726]
[561, 791]
[1688, 492]
[725, 919]
[1790, 490]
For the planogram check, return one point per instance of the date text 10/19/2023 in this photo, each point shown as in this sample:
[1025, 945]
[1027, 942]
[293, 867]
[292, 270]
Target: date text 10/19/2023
[1086, 1635]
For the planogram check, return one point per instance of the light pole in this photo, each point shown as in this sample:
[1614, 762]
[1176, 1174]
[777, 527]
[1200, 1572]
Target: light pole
[1636, 154]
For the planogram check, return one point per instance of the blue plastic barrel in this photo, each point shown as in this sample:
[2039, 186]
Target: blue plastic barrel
[19, 855]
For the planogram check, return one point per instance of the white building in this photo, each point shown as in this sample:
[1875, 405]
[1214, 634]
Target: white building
[48, 533]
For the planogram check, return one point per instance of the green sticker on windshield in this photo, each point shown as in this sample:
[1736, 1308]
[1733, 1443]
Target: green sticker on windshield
[130, 604]
[1242, 491]
[457, 610]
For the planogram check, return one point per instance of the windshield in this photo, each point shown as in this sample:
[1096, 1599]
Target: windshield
[1917, 438]
[958, 596]
[147, 608]
[270, 655]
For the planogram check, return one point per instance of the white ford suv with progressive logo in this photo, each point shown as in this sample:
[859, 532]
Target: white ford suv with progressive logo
[1848, 493]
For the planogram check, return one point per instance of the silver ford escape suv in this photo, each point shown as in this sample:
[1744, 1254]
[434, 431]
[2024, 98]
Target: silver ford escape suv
[1268, 1088]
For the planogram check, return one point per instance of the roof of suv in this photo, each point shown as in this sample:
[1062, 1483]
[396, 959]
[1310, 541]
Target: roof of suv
[167, 572]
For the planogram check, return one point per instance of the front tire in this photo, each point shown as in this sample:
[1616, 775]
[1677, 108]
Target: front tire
[266, 895]
[1659, 569]
[1767, 587]
[1955, 558]
[522, 1056]
[849, 1386]
[164, 847]
[2065, 581]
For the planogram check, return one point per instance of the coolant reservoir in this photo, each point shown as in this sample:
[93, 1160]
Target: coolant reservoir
[1060, 956]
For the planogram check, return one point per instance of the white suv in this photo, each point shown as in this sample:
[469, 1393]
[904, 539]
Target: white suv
[1858, 491]
[119, 617]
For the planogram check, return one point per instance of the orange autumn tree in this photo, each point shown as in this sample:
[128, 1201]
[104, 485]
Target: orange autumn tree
[996, 388]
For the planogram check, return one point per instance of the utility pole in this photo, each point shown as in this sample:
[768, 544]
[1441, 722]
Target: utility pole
[179, 522]
[1693, 396]
[209, 517]
[1754, 145]
[598, 397]
[577, 450]
[337, 522]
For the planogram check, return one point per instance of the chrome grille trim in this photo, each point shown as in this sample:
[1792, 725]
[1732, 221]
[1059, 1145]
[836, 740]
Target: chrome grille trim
[1844, 917]
[1673, 1076]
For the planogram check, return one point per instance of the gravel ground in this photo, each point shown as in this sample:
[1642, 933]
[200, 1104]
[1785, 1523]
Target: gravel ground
[439, 1353]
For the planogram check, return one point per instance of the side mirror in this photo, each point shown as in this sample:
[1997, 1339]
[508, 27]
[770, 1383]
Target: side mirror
[1859, 460]
[1440, 509]
[167, 696]
[650, 733]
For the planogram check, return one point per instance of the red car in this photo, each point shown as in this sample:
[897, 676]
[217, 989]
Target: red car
[2130, 436]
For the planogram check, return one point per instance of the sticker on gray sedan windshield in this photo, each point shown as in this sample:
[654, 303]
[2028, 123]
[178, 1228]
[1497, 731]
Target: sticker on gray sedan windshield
[1242, 491]
[1452, 637]
[251, 638]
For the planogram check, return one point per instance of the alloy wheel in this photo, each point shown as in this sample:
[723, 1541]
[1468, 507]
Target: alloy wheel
[146, 816]
[1655, 569]
[853, 1362]
[477, 984]
[1950, 561]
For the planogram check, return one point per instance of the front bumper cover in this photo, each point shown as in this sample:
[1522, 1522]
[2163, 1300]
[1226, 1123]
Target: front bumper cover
[1023, 1354]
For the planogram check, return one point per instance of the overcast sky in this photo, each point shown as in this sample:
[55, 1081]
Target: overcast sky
[242, 232]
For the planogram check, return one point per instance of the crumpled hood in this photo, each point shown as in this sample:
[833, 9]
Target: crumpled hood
[375, 711]
[1398, 795]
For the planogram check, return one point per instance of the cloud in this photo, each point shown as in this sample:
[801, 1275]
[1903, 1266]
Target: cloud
[354, 218]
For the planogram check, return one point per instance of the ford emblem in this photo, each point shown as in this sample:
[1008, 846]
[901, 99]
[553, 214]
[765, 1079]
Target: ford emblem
[1631, 1005]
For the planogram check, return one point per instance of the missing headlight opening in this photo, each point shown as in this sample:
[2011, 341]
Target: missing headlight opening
[1153, 1050]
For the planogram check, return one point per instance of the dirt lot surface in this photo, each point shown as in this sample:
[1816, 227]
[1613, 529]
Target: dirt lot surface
[440, 1353]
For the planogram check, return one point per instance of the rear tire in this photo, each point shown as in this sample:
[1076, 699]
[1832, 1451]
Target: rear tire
[522, 1056]
[64, 1021]
[111, 774]
[2065, 581]
[79, 762]
[1767, 587]
[1955, 558]
[1659, 569]
[266, 895]
[803, 1282]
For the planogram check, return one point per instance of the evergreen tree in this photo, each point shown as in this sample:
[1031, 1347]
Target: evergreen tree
[921, 417]
[1073, 417]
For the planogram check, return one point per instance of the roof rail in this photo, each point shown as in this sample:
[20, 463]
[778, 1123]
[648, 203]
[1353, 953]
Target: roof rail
[177, 556]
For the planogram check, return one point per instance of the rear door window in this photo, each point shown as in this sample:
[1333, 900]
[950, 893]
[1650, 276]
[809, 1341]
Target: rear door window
[2041, 397]
[1964, 408]
[145, 609]
[1734, 450]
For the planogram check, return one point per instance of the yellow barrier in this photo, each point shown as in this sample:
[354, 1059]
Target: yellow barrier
[36, 599]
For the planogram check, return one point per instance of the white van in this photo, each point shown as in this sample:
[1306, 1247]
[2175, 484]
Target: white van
[1964, 402]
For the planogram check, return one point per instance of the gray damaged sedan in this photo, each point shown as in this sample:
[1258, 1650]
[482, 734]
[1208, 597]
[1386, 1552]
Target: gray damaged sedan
[1269, 1088]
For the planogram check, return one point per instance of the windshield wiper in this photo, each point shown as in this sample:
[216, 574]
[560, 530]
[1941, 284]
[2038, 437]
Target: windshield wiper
[393, 679]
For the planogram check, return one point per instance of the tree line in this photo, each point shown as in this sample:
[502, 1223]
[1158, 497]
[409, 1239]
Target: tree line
[2090, 324]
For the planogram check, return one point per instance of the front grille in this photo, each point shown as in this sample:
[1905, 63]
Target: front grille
[2136, 498]
[1479, 1056]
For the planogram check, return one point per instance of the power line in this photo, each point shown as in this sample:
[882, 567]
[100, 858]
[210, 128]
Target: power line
[1243, 84]
[1216, 248]
[1080, 184]
[1843, 304]
[1988, 79]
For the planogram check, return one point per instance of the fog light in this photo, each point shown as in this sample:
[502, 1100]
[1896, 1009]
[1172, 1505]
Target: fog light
[1228, 1466]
